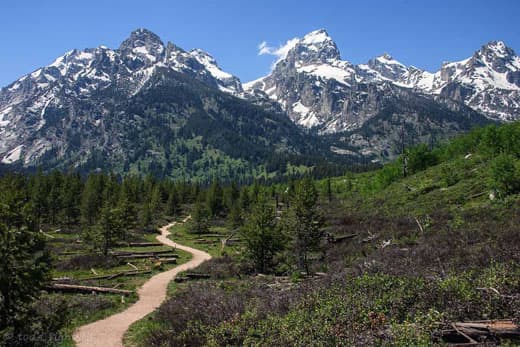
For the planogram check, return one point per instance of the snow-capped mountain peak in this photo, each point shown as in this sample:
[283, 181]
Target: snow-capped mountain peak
[497, 56]
[316, 46]
[141, 37]
[384, 67]
[385, 57]
[314, 63]
[142, 46]
[497, 49]
[228, 82]
[316, 37]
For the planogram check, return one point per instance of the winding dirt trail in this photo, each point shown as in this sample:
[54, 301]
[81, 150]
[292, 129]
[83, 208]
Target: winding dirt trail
[109, 332]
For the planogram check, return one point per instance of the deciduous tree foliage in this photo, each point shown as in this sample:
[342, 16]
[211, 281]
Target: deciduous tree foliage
[505, 174]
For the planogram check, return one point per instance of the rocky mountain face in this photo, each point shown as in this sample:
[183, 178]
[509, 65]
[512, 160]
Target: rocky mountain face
[144, 107]
[320, 90]
[153, 107]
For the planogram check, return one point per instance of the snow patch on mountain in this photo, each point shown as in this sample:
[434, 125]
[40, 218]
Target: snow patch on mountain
[3, 114]
[328, 72]
[210, 64]
[308, 118]
[13, 155]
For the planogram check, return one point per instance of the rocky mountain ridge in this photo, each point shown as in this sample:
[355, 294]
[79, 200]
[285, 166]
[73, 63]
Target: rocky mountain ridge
[131, 107]
[320, 90]
[143, 107]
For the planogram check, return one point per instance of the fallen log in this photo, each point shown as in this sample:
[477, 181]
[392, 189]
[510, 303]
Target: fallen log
[190, 276]
[145, 256]
[86, 289]
[46, 234]
[503, 328]
[72, 253]
[233, 242]
[115, 275]
[213, 235]
[476, 195]
[206, 242]
[137, 256]
[224, 242]
[168, 260]
[196, 275]
[116, 254]
[139, 244]
[336, 239]
[494, 290]
[474, 332]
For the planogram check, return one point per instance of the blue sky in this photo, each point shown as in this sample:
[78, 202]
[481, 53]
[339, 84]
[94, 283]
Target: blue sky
[420, 33]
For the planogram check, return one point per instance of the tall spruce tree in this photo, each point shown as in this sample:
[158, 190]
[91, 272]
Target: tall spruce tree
[109, 228]
[261, 234]
[214, 199]
[172, 204]
[92, 198]
[71, 198]
[156, 201]
[24, 265]
[235, 216]
[303, 222]
[199, 218]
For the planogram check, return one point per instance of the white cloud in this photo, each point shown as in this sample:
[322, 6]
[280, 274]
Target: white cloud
[279, 52]
[264, 49]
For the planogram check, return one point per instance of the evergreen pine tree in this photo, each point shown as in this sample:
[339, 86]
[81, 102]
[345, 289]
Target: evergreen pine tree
[39, 194]
[214, 199]
[172, 204]
[24, 265]
[71, 197]
[145, 216]
[127, 213]
[200, 218]
[261, 234]
[303, 222]
[92, 198]
[235, 218]
[109, 228]
[156, 201]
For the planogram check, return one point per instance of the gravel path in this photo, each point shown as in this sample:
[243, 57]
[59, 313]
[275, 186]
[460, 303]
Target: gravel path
[109, 332]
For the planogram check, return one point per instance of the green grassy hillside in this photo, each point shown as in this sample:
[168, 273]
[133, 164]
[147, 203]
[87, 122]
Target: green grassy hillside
[406, 256]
